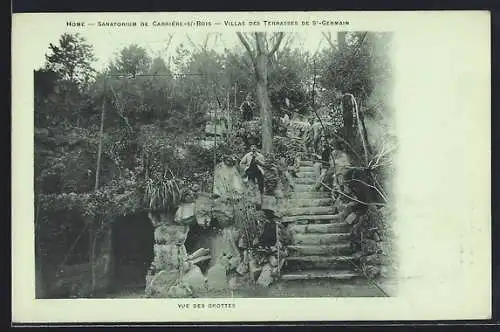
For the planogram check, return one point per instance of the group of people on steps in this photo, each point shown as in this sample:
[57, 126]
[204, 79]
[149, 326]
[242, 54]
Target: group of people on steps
[253, 162]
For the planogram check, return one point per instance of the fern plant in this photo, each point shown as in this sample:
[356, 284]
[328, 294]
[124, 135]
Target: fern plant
[162, 192]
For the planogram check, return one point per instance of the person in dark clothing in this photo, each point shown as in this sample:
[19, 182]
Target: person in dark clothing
[255, 175]
[324, 152]
[247, 109]
[252, 164]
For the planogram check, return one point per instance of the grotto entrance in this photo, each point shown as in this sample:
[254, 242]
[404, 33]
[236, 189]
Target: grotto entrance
[133, 241]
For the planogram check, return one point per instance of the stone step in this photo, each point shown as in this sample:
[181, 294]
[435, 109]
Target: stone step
[320, 274]
[308, 250]
[310, 194]
[312, 210]
[338, 227]
[320, 239]
[295, 263]
[304, 180]
[307, 174]
[308, 202]
[306, 163]
[303, 188]
[319, 218]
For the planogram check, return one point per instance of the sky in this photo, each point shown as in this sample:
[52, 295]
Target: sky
[107, 43]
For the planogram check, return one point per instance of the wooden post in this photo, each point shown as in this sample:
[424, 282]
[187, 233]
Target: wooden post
[92, 234]
[228, 112]
[235, 94]
[215, 146]
[278, 246]
[101, 133]
[91, 259]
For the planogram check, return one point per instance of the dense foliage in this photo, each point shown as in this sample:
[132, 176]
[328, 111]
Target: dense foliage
[153, 118]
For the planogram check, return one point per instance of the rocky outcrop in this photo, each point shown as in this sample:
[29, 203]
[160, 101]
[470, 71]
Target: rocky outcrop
[185, 214]
[103, 261]
[227, 181]
[373, 242]
[243, 249]
[169, 255]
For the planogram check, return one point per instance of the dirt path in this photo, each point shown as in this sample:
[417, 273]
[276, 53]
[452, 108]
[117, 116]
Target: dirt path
[299, 288]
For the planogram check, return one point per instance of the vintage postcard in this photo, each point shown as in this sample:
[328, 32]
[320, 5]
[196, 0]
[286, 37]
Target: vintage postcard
[242, 167]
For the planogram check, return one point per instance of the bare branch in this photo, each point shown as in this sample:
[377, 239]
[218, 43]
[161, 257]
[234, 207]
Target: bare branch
[257, 43]
[246, 45]
[205, 43]
[120, 107]
[317, 49]
[216, 39]
[192, 43]
[374, 177]
[350, 197]
[277, 44]
[288, 40]
[248, 48]
[169, 41]
[328, 38]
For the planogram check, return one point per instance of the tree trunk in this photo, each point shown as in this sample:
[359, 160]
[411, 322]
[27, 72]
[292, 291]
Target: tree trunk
[260, 58]
[341, 40]
[99, 151]
[265, 115]
[263, 97]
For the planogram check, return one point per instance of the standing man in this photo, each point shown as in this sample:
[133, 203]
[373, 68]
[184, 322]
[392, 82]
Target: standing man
[252, 164]
[247, 108]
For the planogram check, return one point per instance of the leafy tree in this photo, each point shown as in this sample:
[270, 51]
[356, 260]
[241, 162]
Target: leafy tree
[260, 56]
[131, 61]
[72, 59]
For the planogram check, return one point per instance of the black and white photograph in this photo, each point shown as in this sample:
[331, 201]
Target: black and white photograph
[251, 166]
[215, 165]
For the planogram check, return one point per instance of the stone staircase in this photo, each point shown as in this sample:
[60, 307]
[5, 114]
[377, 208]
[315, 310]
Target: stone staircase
[320, 246]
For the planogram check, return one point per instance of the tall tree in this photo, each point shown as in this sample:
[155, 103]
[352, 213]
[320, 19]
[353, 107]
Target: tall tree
[71, 59]
[132, 60]
[260, 56]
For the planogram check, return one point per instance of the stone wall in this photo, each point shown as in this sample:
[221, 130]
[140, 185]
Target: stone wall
[103, 261]
[234, 258]
[165, 277]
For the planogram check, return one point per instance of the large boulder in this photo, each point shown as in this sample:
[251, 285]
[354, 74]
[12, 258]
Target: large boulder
[171, 234]
[203, 210]
[103, 261]
[160, 284]
[185, 214]
[227, 181]
[195, 279]
[223, 212]
[342, 162]
[266, 276]
[225, 247]
[169, 256]
[351, 218]
[179, 290]
[220, 209]
[217, 277]
[161, 218]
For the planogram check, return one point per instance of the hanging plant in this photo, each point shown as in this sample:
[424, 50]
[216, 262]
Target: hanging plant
[162, 192]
